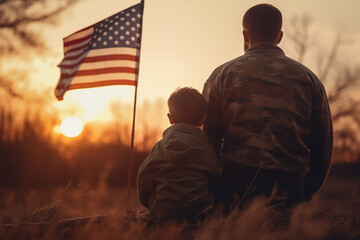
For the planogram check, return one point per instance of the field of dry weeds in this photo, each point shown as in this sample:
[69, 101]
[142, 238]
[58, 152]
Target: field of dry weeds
[334, 213]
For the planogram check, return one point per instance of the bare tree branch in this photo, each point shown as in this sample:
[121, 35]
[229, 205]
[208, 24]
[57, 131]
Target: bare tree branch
[300, 35]
[8, 87]
[342, 82]
[17, 34]
[330, 60]
[17, 15]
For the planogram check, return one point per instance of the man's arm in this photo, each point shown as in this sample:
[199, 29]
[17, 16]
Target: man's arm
[213, 116]
[321, 143]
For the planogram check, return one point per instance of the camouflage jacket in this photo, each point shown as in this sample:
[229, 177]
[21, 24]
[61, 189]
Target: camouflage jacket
[174, 180]
[265, 108]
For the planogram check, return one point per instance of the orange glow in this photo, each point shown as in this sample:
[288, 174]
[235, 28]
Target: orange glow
[93, 104]
[71, 126]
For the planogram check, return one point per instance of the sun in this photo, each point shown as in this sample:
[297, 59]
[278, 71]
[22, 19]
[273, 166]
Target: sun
[71, 126]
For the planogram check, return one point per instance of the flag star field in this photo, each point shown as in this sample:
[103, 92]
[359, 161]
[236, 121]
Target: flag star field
[103, 54]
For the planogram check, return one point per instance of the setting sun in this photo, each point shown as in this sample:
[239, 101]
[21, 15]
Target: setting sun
[71, 126]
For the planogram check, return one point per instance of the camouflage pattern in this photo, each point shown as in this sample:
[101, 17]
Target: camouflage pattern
[175, 180]
[264, 108]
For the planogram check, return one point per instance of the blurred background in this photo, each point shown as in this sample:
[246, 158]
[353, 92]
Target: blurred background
[183, 42]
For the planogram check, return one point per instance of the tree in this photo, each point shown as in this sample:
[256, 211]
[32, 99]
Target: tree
[18, 33]
[21, 39]
[342, 82]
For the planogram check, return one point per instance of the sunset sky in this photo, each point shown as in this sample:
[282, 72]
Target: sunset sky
[183, 41]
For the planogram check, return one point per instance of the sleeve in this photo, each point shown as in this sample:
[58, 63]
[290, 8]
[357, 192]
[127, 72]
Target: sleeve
[213, 164]
[321, 142]
[146, 183]
[217, 186]
[212, 125]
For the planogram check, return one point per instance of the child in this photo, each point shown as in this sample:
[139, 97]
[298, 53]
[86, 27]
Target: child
[175, 180]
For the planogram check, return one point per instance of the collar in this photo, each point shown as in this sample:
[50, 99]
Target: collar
[264, 47]
[185, 128]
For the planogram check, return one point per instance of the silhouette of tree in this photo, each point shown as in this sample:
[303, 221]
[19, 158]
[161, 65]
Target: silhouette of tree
[18, 32]
[342, 82]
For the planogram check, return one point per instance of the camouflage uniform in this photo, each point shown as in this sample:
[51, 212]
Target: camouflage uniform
[175, 180]
[265, 109]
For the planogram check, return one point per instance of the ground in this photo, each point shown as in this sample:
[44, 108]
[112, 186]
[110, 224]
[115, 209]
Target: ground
[333, 213]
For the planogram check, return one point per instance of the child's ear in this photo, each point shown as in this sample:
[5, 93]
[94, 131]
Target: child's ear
[170, 118]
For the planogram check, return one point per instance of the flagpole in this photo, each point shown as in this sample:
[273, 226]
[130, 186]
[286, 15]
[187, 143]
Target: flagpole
[130, 165]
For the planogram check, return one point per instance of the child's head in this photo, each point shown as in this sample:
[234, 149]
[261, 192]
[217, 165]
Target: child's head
[186, 105]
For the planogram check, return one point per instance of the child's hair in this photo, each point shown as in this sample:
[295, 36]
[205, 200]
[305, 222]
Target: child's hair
[187, 105]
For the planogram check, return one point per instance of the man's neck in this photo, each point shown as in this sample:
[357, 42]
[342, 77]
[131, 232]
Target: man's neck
[251, 44]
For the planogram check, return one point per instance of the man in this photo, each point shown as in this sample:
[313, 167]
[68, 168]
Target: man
[268, 117]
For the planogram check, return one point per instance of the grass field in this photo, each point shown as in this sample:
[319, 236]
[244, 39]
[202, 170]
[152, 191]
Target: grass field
[333, 213]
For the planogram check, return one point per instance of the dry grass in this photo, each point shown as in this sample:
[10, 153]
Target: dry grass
[317, 219]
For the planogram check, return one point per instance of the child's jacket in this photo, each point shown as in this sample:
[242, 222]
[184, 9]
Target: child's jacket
[175, 180]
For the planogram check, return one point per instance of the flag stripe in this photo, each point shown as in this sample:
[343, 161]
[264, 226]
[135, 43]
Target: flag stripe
[76, 41]
[100, 71]
[72, 61]
[105, 70]
[98, 65]
[110, 58]
[102, 83]
[112, 51]
[75, 63]
[74, 54]
[102, 77]
[76, 58]
[79, 34]
[103, 54]
[76, 47]
[115, 63]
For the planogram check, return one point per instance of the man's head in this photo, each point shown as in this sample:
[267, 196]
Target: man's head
[186, 105]
[262, 24]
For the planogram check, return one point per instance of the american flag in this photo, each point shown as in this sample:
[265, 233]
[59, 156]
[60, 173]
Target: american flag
[106, 53]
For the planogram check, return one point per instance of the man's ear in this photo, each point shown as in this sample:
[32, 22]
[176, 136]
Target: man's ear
[246, 36]
[246, 40]
[170, 118]
[280, 37]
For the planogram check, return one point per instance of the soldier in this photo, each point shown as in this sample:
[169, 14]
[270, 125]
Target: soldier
[268, 117]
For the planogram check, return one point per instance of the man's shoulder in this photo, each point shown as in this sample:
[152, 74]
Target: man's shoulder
[289, 60]
[232, 62]
[221, 70]
[311, 76]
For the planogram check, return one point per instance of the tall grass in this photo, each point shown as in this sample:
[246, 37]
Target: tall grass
[61, 217]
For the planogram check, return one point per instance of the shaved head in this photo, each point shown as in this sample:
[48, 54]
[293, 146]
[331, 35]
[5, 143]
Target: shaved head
[263, 23]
